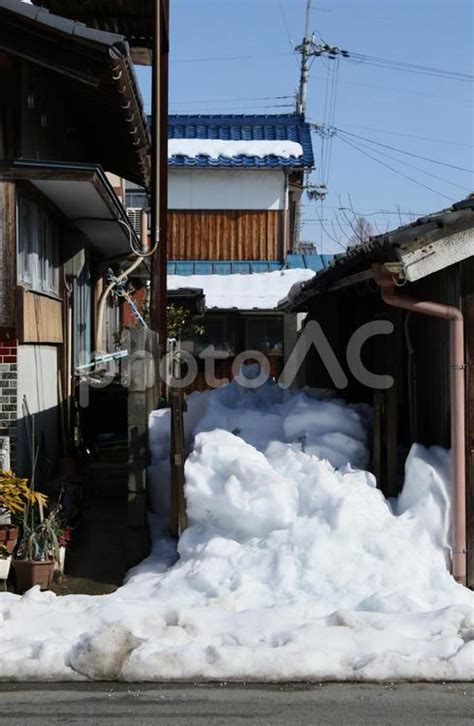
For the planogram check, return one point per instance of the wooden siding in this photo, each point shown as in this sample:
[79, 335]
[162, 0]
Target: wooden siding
[225, 235]
[40, 318]
[7, 254]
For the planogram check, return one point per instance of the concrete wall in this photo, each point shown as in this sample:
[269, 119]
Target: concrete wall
[226, 189]
[38, 381]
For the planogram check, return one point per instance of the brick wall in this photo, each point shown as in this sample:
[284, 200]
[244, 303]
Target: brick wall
[8, 392]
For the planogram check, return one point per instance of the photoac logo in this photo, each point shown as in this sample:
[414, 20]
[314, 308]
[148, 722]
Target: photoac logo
[179, 369]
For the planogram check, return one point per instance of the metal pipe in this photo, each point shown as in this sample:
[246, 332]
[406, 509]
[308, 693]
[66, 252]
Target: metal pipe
[103, 300]
[159, 196]
[458, 411]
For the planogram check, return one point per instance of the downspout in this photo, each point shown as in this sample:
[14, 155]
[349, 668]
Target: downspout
[457, 384]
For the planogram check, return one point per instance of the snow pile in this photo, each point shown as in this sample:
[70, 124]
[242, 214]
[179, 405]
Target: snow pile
[261, 290]
[291, 569]
[214, 148]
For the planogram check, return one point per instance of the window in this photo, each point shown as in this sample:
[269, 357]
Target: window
[136, 199]
[265, 334]
[38, 247]
[219, 336]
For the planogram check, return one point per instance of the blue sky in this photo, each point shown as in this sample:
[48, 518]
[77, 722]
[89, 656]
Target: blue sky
[251, 66]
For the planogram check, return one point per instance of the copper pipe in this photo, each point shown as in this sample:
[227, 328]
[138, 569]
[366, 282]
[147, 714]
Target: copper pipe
[458, 412]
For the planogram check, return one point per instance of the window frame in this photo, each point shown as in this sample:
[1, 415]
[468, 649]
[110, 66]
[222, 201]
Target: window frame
[38, 242]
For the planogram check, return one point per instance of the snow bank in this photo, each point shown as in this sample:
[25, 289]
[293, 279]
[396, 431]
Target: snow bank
[216, 148]
[261, 290]
[291, 568]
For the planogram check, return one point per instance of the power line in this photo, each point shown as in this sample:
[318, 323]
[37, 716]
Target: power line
[411, 67]
[408, 153]
[412, 136]
[417, 168]
[285, 23]
[232, 100]
[359, 57]
[390, 89]
[396, 171]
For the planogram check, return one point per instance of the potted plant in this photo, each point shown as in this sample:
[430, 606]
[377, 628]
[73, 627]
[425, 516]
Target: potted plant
[5, 562]
[38, 551]
[14, 495]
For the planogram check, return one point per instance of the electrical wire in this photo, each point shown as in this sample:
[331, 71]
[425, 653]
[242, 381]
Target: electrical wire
[231, 100]
[396, 171]
[408, 153]
[413, 136]
[417, 168]
[390, 89]
[411, 67]
[285, 23]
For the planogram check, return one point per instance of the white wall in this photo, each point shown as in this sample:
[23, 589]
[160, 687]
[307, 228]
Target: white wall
[226, 189]
[38, 381]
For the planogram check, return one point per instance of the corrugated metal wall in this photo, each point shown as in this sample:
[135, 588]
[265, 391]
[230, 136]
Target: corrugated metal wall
[225, 235]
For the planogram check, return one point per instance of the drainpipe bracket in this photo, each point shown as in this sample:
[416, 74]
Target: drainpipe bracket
[384, 277]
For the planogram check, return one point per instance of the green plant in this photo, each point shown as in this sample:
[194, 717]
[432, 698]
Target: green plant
[180, 323]
[40, 537]
[15, 494]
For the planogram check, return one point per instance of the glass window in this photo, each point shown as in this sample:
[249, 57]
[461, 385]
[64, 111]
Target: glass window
[265, 334]
[219, 335]
[136, 199]
[38, 247]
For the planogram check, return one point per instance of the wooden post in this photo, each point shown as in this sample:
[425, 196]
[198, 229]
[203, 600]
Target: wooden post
[141, 401]
[469, 335]
[378, 437]
[391, 442]
[178, 519]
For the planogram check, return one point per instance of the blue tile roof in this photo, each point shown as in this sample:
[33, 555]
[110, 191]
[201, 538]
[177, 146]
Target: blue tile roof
[280, 127]
[230, 267]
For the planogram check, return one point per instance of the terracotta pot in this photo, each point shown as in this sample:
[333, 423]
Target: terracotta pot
[29, 573]
[9, 536]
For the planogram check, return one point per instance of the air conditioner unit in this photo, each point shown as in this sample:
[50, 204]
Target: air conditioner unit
[134, 214]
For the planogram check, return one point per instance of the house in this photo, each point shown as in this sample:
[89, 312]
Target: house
[71, 128]
[235, 184]
[240, 300]
[417, 284]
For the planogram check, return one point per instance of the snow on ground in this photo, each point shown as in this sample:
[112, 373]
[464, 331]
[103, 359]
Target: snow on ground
[291, 569]
[216, 148]
[261, 290]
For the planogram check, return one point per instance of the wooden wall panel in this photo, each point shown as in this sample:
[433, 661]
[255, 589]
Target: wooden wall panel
[40, 318]
[7, 254]
[225, 235]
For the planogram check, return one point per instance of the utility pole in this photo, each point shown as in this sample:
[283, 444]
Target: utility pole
[305, 56]
[159, 190]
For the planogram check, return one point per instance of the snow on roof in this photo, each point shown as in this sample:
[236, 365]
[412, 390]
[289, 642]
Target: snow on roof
[215, 148]
[282, 128]
[261, 291]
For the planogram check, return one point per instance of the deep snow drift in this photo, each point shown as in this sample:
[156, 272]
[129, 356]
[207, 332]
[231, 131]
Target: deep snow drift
[291, 569]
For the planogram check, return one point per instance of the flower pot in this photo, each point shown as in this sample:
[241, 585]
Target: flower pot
[5, 568]
[9, 536]
[29, 573]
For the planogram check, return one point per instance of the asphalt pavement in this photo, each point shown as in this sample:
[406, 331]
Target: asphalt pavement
[332, 704]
